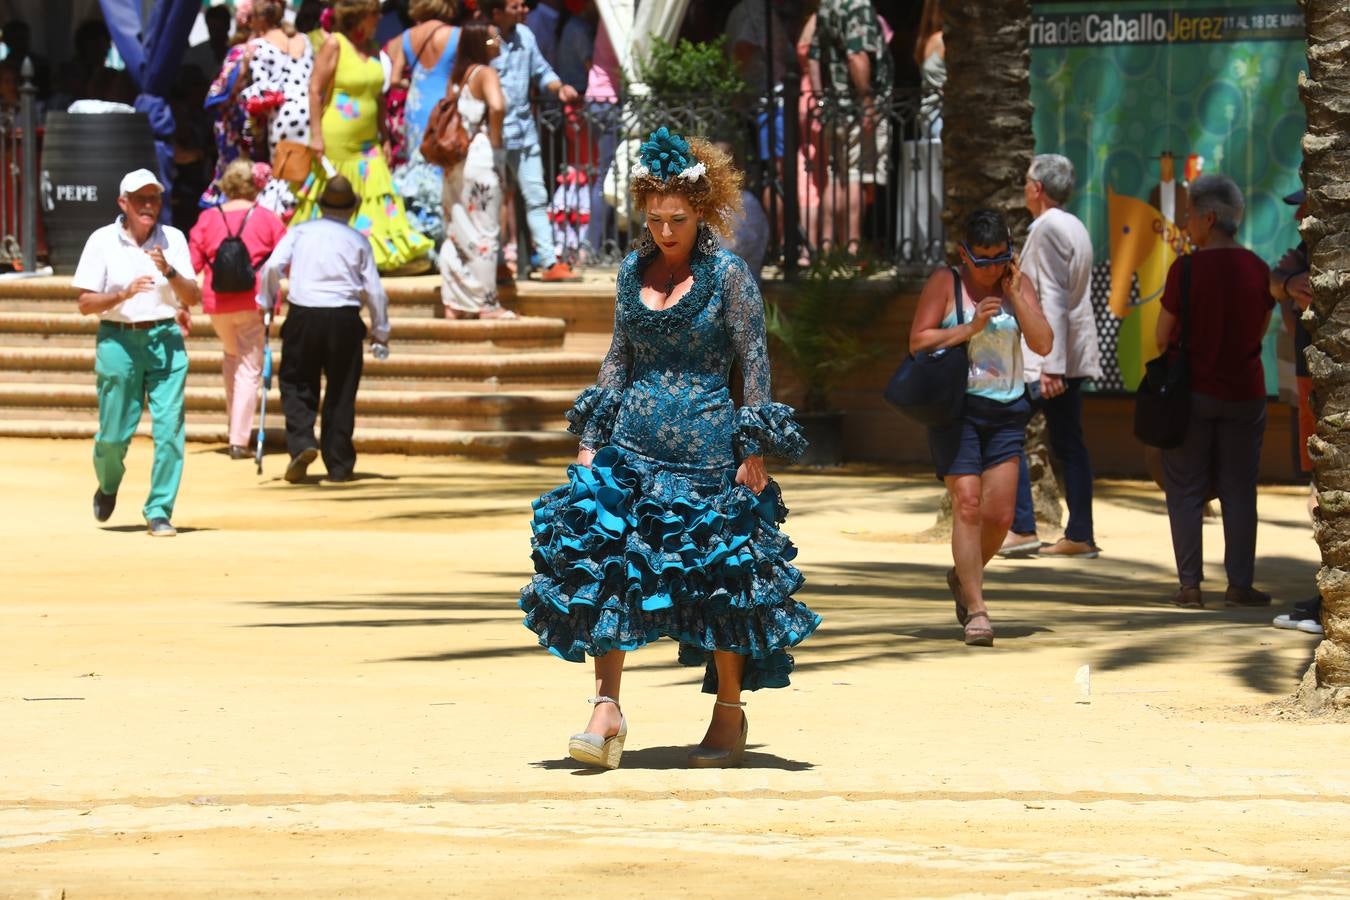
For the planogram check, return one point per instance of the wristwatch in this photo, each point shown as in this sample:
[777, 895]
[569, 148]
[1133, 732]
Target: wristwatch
[171, 273]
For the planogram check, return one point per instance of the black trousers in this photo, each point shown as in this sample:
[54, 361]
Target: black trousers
[1222, 448]
[323, 343]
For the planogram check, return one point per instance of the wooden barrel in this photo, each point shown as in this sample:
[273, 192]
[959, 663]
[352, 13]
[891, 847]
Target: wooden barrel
[84, 156]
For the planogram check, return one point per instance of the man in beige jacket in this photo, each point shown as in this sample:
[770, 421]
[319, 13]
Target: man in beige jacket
[1057, 259]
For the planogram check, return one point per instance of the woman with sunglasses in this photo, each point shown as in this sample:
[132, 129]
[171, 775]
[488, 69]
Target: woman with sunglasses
[977, 455]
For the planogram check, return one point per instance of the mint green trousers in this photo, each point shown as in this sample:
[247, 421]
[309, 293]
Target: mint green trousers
[133, 367]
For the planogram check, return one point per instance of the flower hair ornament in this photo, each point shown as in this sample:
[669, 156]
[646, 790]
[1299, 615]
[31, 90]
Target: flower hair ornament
[665, 156]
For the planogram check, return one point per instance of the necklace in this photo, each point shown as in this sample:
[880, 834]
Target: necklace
[670, 284]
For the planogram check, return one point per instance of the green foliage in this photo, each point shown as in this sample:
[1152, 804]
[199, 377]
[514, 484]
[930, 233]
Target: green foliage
[825, 329]
[689, 68]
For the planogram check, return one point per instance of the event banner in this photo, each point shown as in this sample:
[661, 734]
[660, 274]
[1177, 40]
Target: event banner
[1145, 96]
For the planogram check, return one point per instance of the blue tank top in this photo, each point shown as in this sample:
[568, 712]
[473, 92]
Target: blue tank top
[426, 87]
[995, 355]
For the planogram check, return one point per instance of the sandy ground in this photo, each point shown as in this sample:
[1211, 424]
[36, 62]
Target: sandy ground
[324, 690]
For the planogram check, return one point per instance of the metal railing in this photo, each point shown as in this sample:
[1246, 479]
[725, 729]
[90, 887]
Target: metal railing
[18, 178]
[829, 178]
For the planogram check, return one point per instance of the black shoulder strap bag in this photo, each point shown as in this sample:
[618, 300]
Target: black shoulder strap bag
[1162, 405]
[930, 386]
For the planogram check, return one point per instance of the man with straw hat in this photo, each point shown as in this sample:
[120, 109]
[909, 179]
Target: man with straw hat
[332, 272]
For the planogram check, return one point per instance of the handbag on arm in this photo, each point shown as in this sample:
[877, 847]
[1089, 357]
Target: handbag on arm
[446, 141]
[930, 386]
[1162, 404]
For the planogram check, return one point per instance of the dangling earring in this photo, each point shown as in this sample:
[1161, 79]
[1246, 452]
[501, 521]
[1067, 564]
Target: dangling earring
[707, 241]
[644, 244]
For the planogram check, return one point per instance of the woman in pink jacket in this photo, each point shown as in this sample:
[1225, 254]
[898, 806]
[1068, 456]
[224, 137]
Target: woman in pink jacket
[235, 315]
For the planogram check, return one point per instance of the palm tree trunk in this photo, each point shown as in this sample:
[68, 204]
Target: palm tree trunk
[987, 147]
[986, 112]
[1326, 173]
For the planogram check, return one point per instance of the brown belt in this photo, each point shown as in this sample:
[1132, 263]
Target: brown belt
[136, 326]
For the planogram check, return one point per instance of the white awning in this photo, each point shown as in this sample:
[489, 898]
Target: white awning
[632, 32]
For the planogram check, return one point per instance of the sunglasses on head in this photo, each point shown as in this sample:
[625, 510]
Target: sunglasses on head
[984, 262]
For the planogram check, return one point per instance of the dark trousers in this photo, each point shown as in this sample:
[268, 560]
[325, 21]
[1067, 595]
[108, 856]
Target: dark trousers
[1064, 422]
[322, 342]
[1222, 449]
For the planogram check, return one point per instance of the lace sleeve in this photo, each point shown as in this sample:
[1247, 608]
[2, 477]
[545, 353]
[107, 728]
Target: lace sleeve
[592, 416]
[762, 426]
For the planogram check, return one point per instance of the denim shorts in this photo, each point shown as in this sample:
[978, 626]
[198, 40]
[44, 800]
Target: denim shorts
[988, 433]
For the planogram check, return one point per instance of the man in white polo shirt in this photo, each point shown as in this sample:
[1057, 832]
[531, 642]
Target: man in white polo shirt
[136, 276]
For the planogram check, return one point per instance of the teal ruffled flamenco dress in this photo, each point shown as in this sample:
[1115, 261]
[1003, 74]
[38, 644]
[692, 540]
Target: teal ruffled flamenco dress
[655, 539]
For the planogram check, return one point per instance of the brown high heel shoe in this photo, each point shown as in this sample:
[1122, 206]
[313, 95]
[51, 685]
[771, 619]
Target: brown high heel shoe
[707, 758]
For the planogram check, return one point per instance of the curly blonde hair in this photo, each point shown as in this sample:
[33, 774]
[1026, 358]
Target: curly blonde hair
[237, 182]
[715, 195]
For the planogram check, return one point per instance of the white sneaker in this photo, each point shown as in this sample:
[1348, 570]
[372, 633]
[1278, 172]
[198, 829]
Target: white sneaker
[1286, 621]
[1310, 626]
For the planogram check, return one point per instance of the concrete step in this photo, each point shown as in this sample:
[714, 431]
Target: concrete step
[510, 445]
[506, 333]
[210, 379]
[586, 306]
[524, 366]
[464, 410]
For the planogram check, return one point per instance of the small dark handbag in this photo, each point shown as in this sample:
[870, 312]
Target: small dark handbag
[1162, 404]
[930, 387]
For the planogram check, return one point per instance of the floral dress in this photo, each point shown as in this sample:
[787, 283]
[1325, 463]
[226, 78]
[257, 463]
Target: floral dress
[279, 94]
[473, 211]
[655, 539]
[350, 135]
[234, 138]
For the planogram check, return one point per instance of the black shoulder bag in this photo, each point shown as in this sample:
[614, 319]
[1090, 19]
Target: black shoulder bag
[930, 386]
[232, 270]
[1162, 405]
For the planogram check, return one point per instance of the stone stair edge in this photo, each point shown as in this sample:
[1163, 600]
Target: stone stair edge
[401, 289]
[370, 440]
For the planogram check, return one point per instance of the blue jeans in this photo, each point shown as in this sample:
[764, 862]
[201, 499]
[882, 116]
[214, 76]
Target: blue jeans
[527, 164]
[1064, 421]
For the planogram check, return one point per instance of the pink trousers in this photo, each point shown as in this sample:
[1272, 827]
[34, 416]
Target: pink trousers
[241, 334]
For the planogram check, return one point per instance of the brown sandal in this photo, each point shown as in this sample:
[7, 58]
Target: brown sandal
[979, 635]
[955, 584]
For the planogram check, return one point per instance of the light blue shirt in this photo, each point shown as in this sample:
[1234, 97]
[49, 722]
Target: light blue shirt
[995, 355]
[520, 64]
[330, 265]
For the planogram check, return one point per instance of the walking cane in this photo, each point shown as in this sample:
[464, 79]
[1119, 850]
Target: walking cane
[266, 385]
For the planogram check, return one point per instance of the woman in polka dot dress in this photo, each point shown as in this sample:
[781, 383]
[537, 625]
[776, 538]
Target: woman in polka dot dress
[280, 66]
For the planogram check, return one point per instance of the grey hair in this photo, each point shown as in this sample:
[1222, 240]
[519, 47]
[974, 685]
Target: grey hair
[1055, 173]
[1220, 195]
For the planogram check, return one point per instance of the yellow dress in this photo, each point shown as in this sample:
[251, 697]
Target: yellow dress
[351, 143]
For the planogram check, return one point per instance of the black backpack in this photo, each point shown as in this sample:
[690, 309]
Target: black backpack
[232, 270]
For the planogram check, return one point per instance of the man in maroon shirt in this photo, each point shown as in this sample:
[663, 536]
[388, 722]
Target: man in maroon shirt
[1229, 309]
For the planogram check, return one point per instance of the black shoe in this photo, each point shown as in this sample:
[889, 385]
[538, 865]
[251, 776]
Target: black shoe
[160, 527]
[295, 472]
[340, 477]
[238, 452]
[104, 504]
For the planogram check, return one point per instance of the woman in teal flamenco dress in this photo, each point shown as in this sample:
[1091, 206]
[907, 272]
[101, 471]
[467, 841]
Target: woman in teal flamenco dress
[668, 525]
[345, 95]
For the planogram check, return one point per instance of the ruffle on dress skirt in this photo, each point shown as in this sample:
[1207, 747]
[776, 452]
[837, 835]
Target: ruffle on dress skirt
[380, 217]
[630, 551]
